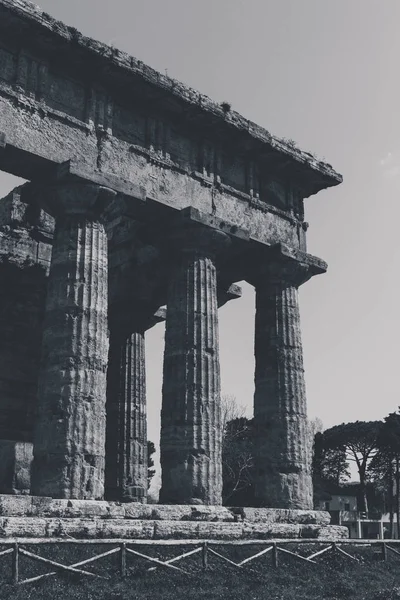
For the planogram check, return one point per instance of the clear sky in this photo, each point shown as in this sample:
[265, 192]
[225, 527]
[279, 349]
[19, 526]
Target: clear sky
[324, 73]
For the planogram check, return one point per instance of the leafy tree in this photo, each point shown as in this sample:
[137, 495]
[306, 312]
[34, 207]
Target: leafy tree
[360, 442]
[330, 468]
[384, 470]
[150, 462]
[381, 477]
[330, 465]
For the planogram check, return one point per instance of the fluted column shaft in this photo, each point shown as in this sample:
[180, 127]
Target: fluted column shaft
[191, 436]
[69, 436]
[282, 458]
[126, 445]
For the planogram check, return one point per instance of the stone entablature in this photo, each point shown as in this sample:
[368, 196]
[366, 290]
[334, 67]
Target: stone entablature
[175, 145]
[55, 63]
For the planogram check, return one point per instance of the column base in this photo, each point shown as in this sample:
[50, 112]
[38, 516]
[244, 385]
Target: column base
[285, 490]
[15, 467]
[77, 477]
[129, 494]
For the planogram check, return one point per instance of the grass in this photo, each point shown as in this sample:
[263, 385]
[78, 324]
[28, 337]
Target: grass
[334, 578]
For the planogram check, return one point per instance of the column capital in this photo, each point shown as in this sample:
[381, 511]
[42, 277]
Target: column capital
[73, 198]
[280, 266]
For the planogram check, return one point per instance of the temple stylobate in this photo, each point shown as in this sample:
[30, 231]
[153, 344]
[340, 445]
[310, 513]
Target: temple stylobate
[145, 202]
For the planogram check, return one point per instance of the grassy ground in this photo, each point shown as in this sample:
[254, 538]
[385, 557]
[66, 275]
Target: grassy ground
[333, 578]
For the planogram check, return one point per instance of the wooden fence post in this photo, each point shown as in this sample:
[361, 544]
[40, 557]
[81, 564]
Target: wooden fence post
[275, 555]
[122, 560]
[384, 551]
[205, 556]
[15, 565]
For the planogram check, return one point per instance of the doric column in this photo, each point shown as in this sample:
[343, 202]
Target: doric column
[282, 457]
[126, 432]
[191, 433]
[126, 440]
[69, 436]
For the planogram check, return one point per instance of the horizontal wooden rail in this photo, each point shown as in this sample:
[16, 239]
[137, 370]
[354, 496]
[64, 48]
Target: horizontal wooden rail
[191, 542]
[205, 548]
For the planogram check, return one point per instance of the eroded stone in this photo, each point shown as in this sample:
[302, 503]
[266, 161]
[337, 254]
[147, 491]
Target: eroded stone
[276, 515]
[62, 129]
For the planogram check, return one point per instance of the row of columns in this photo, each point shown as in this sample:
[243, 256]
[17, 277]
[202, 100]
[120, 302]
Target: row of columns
[71, 456]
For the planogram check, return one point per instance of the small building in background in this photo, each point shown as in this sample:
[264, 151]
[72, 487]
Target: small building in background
[361, 525]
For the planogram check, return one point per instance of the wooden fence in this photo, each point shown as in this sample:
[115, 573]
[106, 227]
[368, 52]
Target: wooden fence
[206, 549]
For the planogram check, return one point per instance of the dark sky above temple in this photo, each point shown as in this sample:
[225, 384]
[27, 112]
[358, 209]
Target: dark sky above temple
[325, 74]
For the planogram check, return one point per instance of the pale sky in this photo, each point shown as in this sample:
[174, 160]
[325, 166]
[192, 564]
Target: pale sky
[324, 73]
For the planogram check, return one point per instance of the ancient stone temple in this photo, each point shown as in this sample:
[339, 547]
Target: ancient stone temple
[145, 201]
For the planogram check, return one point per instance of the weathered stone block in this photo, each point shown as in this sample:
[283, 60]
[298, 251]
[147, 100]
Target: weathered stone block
[115, 511]
[15, 505]
[330, 532]
[254, 531]
[43, 506]
[282, 515]
[135, 510]
[57, 520]
[199, 512]
[72, 527]
[23, 527]
[125, 529]
[200, 530]
[86, 508]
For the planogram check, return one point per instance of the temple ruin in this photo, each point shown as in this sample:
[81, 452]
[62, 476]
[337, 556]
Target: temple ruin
[142, 194]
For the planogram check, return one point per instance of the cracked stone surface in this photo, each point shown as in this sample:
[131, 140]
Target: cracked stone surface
[282, 458]
[191, 436]
[126, 442]
[49, 507]
[47, 527]
[32, 516]
[69, 436]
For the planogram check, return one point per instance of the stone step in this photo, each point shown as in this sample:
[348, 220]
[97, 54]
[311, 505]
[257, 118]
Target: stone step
[148, 529]
[39, 506]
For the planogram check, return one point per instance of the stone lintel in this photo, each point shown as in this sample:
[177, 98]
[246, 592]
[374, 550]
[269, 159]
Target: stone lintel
[194, 217]
[70, 171]
[193, 230]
